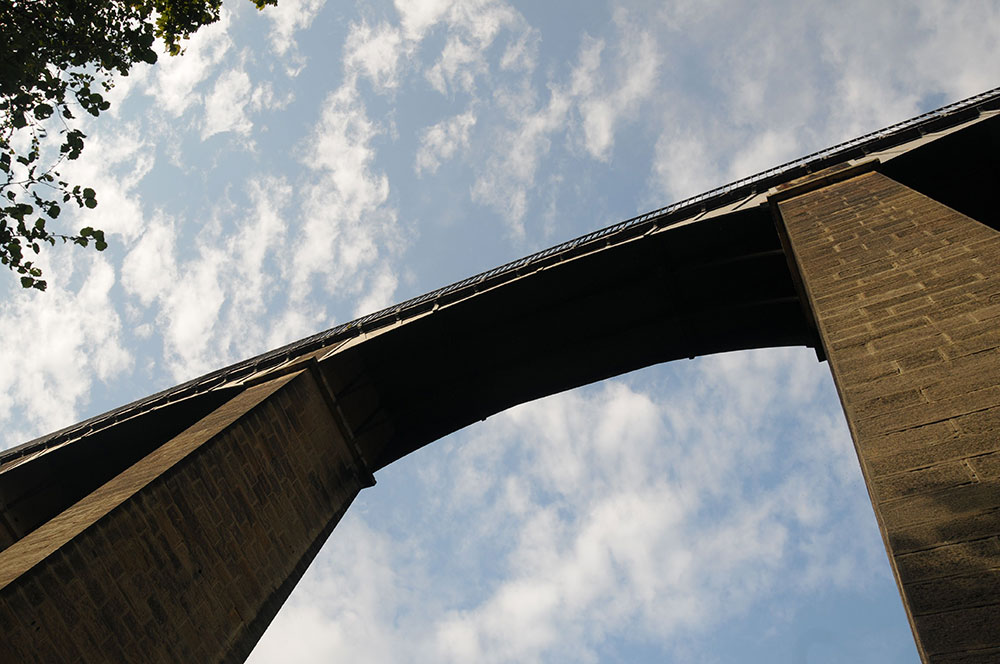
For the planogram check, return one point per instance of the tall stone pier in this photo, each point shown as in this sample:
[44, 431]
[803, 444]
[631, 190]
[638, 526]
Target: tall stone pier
[186, 555]
[173, 528]
[906, 296]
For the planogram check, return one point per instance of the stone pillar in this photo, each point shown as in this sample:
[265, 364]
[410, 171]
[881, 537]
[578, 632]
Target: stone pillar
[906, 296]
[187, 555]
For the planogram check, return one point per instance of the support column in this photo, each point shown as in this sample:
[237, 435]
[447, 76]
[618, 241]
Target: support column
[906, 295]
[187, 555]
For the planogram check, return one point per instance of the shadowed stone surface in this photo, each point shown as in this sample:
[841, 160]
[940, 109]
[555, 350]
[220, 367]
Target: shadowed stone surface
[188, 554]
[906, 294]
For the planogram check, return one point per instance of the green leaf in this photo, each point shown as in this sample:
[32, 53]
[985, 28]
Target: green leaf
[20, 211]
[90, 203]
[89, 193]
[27, 282]
[43, 111]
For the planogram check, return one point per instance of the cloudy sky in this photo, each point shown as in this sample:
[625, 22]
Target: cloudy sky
[308, 164]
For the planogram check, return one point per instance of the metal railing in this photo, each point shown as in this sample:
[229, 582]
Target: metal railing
[681, 209]
[937, 119]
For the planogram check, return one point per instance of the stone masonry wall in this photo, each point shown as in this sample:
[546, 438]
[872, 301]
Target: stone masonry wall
[906, 294]
[187, 555]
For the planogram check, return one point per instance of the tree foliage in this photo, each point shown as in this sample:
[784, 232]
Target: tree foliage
[58, 60]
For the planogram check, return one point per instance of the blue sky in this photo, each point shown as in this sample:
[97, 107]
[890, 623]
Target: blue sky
[311, 163]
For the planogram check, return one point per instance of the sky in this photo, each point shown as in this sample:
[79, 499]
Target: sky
[311, 163]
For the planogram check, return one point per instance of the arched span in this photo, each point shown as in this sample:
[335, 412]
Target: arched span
[704, 275]
[710, 286]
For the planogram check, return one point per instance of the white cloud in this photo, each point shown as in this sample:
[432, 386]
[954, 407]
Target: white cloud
[209, 303]
[360, 596]
[189, 294]
[115, 165]
[233, 99]
[340, 148]
[137, 79]
[348, 226]
[374, 52]
[510, 173]
[176, 80]
[946, 58]
[287, 18]
[634, 69]
[418, 16]
[294, 323]
[766, 149]
[57, 344]
[459, 64]
[927, 57]
[150, 268]
[521, 54]
[210, 295]
[639, 528]
[472, 27]
[225, 107]
[380, 288]
[441, 141]
[858, 67]
[236, 284]
[586, 108]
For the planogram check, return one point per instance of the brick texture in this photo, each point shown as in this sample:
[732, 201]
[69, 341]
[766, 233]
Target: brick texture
[906, 296]
[187, 555]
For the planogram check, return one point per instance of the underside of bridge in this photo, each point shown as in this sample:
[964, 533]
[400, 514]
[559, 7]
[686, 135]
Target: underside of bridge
[680, 293]
[173, 528]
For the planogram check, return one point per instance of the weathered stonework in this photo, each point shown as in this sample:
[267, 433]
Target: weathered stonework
[906, 295]
[187, 555]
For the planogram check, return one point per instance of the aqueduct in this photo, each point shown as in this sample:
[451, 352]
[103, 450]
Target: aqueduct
[173, 528]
